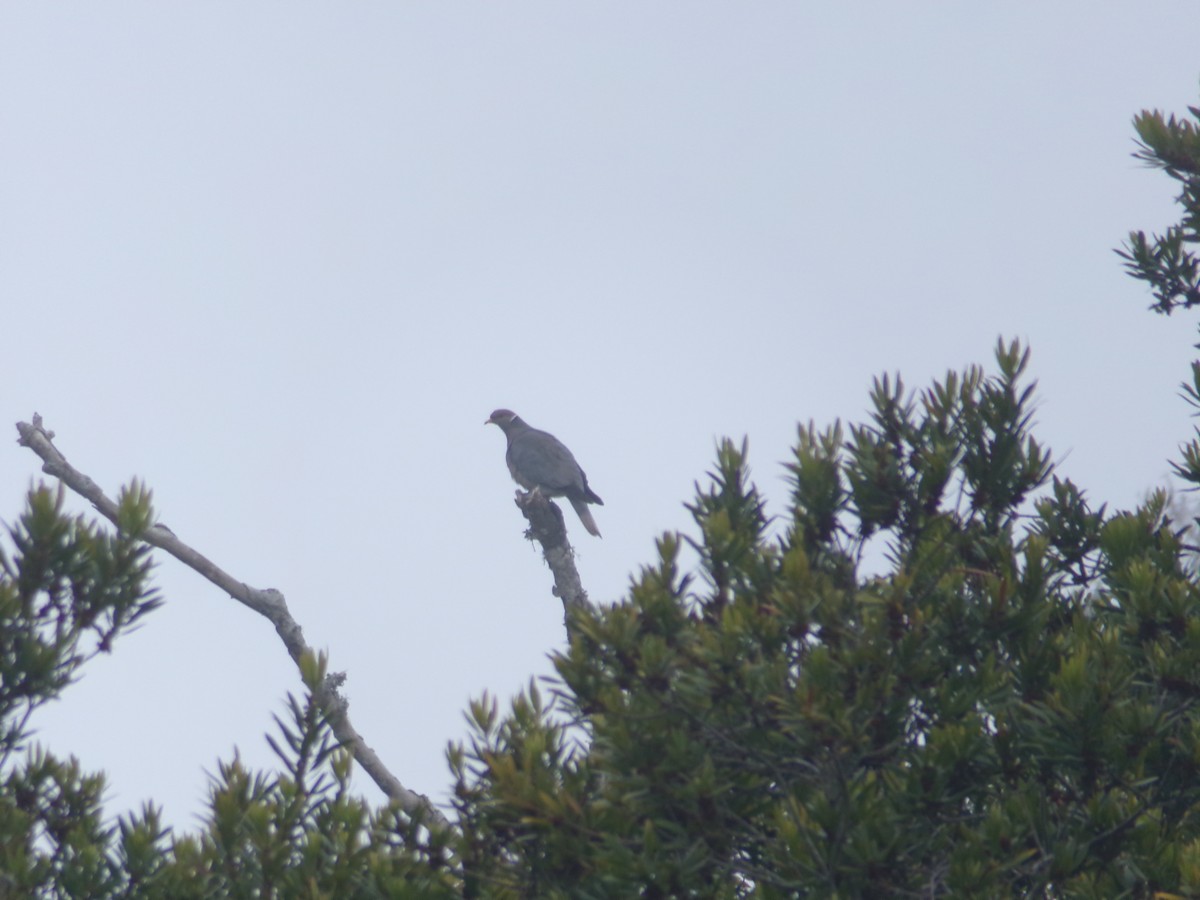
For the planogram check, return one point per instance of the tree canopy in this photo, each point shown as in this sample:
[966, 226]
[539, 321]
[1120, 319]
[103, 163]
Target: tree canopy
[942, 670]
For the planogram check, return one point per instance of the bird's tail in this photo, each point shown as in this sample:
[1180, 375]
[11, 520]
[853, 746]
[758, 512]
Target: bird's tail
[585, 516]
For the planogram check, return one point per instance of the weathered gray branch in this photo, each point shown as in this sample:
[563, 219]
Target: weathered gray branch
[266, 602]
[546, 526]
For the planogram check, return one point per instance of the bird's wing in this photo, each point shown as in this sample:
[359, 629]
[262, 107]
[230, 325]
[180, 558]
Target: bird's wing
[539, 459]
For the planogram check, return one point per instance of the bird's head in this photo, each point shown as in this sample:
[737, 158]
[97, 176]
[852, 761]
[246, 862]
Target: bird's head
[502, 417]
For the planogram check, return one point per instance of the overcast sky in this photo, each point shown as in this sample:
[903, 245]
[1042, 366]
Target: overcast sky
[282, 260]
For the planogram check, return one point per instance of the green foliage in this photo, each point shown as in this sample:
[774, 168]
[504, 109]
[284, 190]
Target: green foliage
[302, 833]
[943, 673]
[1165, 262]
[67, 592]
[1009, 711]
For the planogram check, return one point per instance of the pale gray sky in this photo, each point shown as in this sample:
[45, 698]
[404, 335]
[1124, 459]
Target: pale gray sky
[282, 260]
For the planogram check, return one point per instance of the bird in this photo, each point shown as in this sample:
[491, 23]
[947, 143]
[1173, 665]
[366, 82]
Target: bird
[538, 461]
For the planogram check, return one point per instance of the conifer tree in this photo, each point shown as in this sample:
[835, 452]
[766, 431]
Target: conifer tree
[941, 670]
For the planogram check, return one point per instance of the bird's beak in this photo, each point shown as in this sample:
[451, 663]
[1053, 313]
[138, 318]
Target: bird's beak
[487, 421]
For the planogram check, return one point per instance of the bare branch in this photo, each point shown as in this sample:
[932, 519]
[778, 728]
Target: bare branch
[546, 526]
[266, 602]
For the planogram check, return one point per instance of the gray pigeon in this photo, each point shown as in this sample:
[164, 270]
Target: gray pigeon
[539, 461]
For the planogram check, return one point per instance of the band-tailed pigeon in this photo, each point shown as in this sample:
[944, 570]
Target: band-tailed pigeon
[539, 461]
